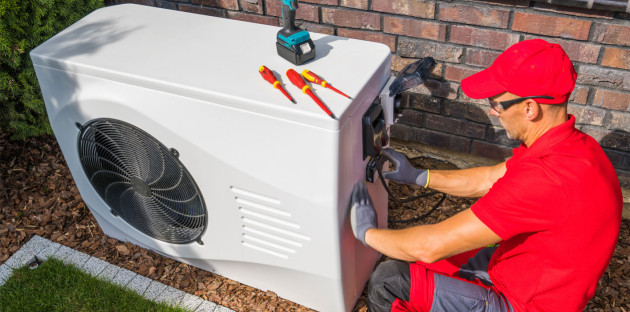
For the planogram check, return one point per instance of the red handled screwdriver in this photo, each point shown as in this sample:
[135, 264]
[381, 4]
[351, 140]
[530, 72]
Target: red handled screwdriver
[269, 76]
[296, 79]
[310, 76]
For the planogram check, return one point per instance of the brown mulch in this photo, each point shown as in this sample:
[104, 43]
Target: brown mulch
[39, 197]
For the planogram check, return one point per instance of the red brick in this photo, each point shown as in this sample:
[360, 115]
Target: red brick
[325, 2]
[305, 12]
[587, 115]
[554, 26]
[205, 11]
[226, 4]
[612, 34]
[579, 95]
[615, 57]
[457, 73]
[357, 4]
[317, 28]
[351, 18]
[417, 48]
[604, 77]
[518, 3]
[441, 139]
[490, 39]
[387, 40]
[621, 121]
[443, 89]
[573, 11]
[612, 99]
[416, 8]
[474, 15]
[483, 58]
[414, 28]
[252, 7]
[411, 117]
[253, 18]
[399, 63]
[576, 50]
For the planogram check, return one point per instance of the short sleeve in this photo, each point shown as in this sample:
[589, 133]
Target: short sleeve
[528, 198]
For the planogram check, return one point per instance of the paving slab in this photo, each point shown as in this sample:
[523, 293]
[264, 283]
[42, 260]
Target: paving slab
[5, 273]
[221, 308]
[206, 306]
[190, 302]
[94, 266]
[48, 251]
[154, 290]
[71, 256]
[109, 272]
[173, 296]
[139, 284]
[27, 253]
[123, 277]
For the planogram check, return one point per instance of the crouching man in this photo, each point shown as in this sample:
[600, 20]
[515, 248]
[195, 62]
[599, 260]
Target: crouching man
[554, 208]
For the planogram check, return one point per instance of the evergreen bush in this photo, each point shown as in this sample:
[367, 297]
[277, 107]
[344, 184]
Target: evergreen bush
[24, 24]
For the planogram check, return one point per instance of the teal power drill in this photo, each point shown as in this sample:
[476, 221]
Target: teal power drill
[293, 44]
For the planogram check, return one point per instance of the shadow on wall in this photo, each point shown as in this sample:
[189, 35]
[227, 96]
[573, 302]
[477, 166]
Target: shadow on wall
[454, 125]
[616, 144]
[467, 127]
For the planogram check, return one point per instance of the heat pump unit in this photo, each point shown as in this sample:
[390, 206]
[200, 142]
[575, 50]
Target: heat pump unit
[177, 144]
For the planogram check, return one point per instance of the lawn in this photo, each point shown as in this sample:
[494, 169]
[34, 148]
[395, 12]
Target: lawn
[55, 286]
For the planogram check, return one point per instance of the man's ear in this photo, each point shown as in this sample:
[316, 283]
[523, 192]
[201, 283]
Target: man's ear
[532, 109]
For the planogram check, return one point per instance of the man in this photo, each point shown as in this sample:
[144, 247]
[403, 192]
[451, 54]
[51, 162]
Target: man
[554, 208]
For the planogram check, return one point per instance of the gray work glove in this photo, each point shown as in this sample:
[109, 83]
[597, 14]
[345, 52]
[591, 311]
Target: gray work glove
[404, 172]
[362, 213]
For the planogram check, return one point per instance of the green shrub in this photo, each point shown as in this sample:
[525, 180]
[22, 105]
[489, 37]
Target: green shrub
[24, 24]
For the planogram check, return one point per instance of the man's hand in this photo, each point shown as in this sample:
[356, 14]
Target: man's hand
[362, 213]
[404, 172]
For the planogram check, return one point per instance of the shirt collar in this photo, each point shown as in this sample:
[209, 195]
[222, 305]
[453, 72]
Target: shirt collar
[549, 138]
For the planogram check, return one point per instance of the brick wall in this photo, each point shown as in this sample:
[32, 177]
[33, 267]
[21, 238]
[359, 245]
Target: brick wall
[465, 37]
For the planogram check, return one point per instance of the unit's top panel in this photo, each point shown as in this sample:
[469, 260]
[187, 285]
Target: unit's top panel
[216, 60]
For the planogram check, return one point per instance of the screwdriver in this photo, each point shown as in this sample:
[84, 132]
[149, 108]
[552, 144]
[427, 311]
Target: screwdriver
[296, 79]
[269, 76]
[310, 76]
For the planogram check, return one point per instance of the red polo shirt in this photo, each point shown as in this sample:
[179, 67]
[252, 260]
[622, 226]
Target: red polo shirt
[558, 210]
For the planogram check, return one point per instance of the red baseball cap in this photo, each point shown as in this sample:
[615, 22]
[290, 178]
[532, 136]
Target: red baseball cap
[528, 68]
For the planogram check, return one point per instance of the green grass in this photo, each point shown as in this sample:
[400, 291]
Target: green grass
[55, 286]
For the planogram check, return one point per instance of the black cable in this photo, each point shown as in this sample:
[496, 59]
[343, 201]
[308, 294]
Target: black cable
[409, 199]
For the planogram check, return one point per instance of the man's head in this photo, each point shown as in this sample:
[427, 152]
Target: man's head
[527, 74]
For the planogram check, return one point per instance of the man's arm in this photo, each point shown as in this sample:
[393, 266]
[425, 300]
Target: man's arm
[430, 243]
[473, 182]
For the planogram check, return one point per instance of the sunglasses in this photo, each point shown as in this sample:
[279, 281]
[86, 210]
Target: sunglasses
[501, 106]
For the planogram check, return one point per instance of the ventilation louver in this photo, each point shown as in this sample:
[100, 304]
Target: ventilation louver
[142, 181]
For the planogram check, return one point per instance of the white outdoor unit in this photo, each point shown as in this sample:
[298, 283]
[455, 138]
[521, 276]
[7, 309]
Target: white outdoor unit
[178, 145]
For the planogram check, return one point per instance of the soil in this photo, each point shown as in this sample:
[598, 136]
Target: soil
[38, 197]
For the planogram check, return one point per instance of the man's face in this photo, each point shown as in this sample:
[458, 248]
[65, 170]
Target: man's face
[510, 117]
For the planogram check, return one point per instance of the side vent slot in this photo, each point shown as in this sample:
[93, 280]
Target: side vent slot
[267, 227]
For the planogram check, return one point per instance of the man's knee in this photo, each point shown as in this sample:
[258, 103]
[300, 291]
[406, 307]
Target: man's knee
[390, 280]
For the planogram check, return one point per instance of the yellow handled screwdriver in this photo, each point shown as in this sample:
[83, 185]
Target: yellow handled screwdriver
[310, 76]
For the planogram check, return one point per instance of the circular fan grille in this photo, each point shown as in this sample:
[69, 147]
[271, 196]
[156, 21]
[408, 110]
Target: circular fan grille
[142, 181]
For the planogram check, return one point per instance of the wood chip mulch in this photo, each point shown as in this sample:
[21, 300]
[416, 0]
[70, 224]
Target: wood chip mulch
[38, 197]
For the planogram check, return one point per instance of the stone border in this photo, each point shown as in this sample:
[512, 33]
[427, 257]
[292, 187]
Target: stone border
[39, 248]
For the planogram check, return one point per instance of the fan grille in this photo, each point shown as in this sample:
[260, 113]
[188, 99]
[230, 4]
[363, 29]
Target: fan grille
[142, 181]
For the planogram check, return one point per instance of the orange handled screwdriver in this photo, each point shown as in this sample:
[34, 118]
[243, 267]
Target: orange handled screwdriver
[269, 76]
[296, 79]
[310, 76]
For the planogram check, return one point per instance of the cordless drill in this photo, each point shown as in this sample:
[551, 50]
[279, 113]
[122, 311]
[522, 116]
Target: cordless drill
[293, 44]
